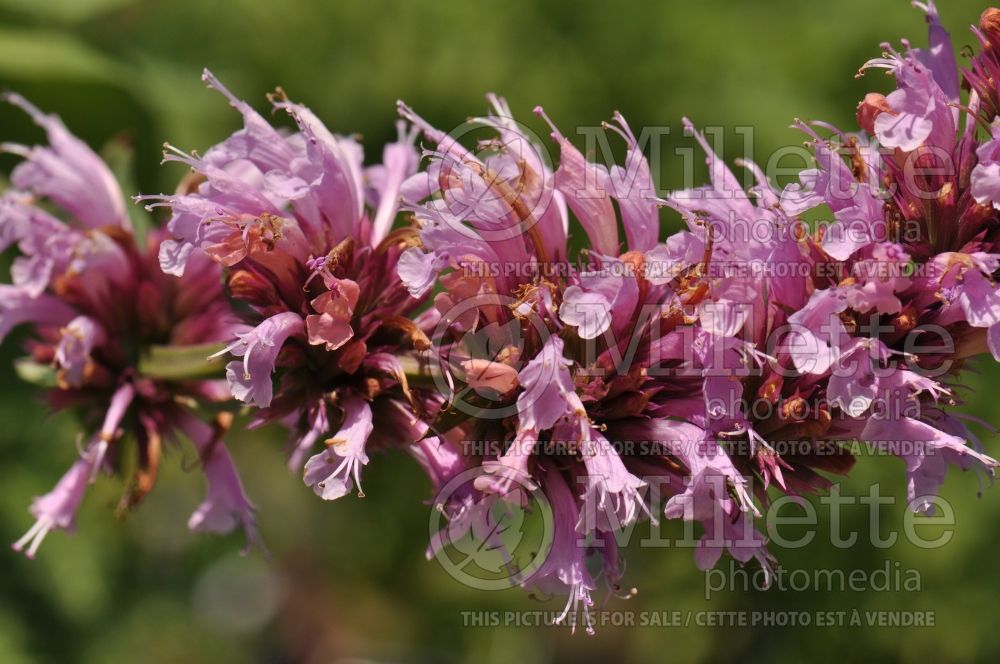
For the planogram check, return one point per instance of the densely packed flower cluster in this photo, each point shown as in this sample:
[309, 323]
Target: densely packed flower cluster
[571, 366]
[524, 324]
[99, 308]
[304, 232]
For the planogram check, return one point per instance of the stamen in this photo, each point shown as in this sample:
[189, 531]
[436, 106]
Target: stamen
[35, 535]
[246, 358]
[212, 82]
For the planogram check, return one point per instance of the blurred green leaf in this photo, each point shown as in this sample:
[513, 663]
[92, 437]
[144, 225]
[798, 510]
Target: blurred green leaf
[182, 362]
[66, 11]
[40, 375]
[37, 54]
[12, 638]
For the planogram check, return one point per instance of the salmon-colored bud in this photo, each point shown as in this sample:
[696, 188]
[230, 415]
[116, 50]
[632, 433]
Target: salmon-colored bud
[636, 260]
[989, 23]
[494, 375]
[351, 356]
[251, 288]
[869, 108]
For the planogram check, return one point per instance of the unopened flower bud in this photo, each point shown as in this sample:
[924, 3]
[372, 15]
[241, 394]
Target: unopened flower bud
[989, 23]
[869, 108]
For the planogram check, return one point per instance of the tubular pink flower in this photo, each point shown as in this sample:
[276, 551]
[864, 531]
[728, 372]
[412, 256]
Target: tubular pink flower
[226, 505]
[57, 509]
[333, 472]
[250, 378]
[73, 353]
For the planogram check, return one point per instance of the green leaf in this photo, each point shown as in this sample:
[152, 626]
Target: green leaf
[41, 375]
[65, 11]
[37, 54]
[183, 362]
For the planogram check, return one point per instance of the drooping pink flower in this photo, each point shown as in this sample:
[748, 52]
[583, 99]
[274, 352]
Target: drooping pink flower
[333, 472]
[57, 509]
[250, 378]
[226, 505]
[565, 567]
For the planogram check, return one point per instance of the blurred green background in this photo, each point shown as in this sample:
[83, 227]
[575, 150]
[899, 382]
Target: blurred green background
[348, 581]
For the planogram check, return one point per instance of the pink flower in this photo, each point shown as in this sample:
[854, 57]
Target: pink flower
[565, 566]
[68, 172]
[333, 472]
[79, 338]
[927, 452]
[226, 506]
[304, 232]
[611, 488]
[57, 509]
[97, 304]
[549, 335]
[250, 379]
[581, 182]
[986, 175]
[510, 472]
[549, 393]
[590, 306]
